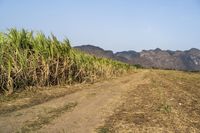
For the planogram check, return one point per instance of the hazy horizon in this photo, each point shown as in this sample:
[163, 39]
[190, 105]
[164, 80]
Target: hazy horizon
[112, 25]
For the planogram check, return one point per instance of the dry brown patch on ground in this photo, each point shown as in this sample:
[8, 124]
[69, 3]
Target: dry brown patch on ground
[169, 103]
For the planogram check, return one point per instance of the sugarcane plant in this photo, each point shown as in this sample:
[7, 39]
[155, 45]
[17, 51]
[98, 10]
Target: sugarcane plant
[32, 59]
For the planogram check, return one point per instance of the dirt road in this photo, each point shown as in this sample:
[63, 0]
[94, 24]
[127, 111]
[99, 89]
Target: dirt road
[144, 101]
[80, 112]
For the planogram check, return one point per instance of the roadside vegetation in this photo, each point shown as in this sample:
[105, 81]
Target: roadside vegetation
[29, 59]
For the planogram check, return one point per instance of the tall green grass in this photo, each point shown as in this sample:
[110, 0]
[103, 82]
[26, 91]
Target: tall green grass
[32, 59]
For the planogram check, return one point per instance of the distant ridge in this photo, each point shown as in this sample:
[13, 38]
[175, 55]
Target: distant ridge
[164, 59]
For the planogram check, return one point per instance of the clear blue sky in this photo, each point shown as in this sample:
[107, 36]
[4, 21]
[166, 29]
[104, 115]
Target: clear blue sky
[111, 24]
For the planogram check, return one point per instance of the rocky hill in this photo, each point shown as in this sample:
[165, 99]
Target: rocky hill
[157, 58]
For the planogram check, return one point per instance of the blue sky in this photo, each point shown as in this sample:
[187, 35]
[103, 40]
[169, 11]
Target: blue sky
[111, 24]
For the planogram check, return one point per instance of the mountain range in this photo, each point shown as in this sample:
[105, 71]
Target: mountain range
[188, 60]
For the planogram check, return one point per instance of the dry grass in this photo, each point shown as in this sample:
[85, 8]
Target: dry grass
[168, 103]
